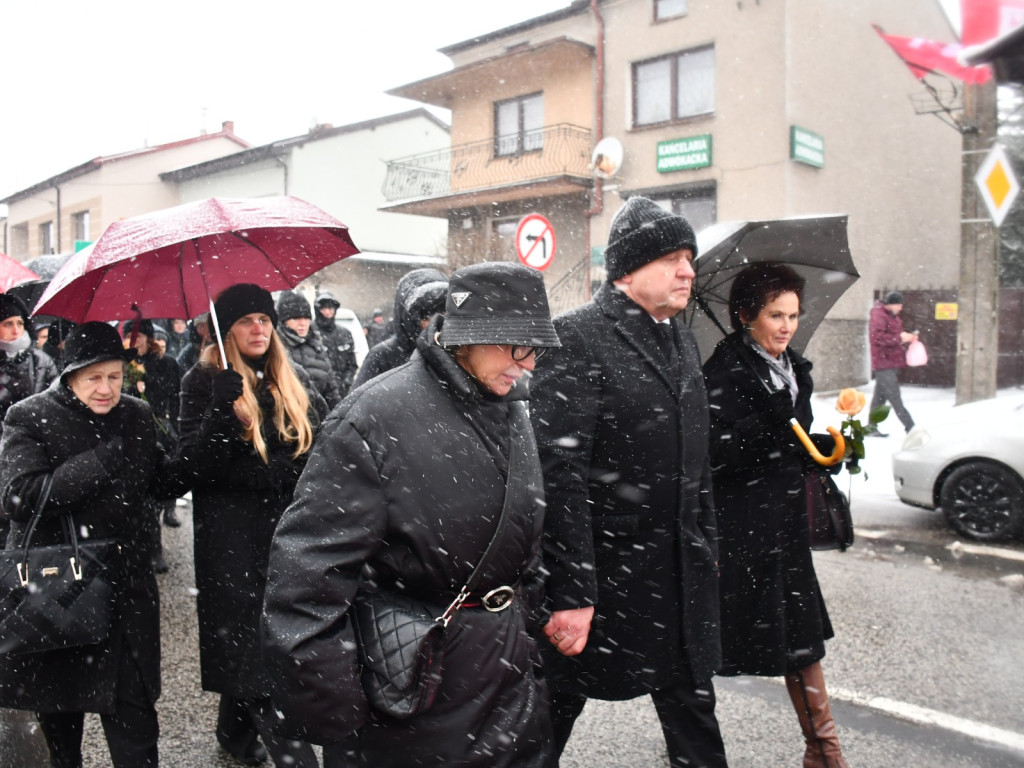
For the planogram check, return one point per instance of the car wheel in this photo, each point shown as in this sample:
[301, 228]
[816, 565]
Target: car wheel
[983, 501]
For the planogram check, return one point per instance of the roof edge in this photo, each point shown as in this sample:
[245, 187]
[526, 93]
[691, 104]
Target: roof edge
[574, 8]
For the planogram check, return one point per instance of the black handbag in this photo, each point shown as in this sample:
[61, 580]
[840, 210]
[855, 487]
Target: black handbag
[59, 596]
[401, 639]
[828, 513]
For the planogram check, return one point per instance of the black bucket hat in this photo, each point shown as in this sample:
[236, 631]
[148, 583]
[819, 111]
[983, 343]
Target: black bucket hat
[497, 303]
[91, 343]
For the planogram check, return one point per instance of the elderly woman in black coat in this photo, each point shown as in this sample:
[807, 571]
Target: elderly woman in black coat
[774, 620]
[246, 432]
[100, 450]
[407, 482]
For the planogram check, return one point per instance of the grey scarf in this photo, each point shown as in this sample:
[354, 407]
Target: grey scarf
[780, 368]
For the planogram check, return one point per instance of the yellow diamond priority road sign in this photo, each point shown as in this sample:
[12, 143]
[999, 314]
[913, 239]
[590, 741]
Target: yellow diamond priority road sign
[997, 183]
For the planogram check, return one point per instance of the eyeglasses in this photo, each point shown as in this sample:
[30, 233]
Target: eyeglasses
[521, 353]
[248, 321]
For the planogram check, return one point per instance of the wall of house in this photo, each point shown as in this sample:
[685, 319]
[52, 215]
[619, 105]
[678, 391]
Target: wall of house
[117, 189]
[265, 178]
[344, 175]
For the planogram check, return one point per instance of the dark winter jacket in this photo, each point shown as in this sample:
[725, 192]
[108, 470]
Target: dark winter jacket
[26, 373]
[396, 348]
[311, 354]
[884, 329]
[236, 501]
[773, 616]
[630, 529]
[409, 476]
[105, 470]
[341, 350]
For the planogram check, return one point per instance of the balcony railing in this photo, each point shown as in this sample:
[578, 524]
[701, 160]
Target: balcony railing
[558, 150]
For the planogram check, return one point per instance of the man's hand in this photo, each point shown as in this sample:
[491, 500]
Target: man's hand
[568, 630]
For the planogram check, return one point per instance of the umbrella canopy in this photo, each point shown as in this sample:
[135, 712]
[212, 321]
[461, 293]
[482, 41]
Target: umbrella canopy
[46, 266]
[13, 272]
[170, 263]
[815, 246]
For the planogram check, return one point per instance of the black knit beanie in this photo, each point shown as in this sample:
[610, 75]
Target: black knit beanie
[241, 300]
[292, 305]
[641, 232]
[145, 328]
[11, 305]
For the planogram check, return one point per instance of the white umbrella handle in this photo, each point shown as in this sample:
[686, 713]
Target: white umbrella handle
[216, 332]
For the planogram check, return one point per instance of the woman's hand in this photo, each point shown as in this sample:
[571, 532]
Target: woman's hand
[568, 630]
[227, 387]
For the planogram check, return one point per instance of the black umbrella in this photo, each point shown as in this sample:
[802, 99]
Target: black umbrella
[815, 246]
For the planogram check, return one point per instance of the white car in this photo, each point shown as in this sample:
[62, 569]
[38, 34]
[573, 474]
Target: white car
[347, 319]
[971, 466]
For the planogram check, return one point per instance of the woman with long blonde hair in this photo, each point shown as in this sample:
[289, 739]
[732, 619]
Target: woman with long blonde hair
[246, 431]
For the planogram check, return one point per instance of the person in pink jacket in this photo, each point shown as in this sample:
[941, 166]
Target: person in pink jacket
[888, 354]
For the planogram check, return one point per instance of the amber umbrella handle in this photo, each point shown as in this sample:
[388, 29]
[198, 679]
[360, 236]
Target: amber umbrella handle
[825, 461]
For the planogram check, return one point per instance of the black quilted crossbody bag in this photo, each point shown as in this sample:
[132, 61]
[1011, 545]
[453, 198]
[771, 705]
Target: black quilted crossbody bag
[401, 639]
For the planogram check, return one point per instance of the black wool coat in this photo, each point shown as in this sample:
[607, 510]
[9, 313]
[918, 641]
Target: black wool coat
[630, 529]
[773, 615]
[237, 500]
[109, 495]
[409, 477]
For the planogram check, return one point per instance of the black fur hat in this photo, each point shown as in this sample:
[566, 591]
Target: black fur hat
[91, 343]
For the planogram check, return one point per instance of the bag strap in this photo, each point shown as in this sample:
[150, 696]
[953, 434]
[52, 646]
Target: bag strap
[67, 523]
[517, 452]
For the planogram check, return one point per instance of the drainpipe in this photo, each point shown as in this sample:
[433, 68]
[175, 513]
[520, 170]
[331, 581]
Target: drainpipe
[284, 166]
[57, 187]
[598, 128]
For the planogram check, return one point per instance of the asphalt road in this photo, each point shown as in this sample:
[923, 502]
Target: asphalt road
[925, 670]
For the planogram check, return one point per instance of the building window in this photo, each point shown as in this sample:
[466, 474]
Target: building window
[519, 125]
[698, 205]
[46, 238]
[80, 225]
[669, 9]
[674, 87]
[503, 239]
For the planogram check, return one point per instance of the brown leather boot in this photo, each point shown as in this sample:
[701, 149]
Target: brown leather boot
[810, 700]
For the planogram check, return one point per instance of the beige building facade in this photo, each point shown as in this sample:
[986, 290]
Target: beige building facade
[724, 111]
[80, 203]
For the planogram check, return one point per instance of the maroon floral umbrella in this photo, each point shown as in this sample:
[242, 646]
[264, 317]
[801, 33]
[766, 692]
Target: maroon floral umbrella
[174, 262]
[13, 272]
[170, 263]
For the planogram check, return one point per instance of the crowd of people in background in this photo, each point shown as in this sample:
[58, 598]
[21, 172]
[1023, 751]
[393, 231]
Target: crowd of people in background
[657, 524]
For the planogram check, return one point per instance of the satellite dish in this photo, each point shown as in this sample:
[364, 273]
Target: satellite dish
[607, 158]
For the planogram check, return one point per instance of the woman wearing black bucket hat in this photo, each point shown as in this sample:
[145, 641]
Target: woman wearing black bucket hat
[246, 432]
[408, 481]
[100, 450]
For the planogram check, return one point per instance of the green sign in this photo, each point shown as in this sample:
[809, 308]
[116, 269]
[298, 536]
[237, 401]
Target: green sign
[806, 147]
[80, 244]
[684, 154]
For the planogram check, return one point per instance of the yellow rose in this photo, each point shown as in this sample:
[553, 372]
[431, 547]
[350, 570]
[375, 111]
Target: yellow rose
[850, 402]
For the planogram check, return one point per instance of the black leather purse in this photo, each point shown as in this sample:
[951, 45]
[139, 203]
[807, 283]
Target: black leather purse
[59, 596]
[401, 639]
[828, 513]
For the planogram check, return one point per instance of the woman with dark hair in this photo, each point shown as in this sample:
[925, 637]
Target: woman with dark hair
[406, 487]
[774, 621]
[246, 431]
[101, 453]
